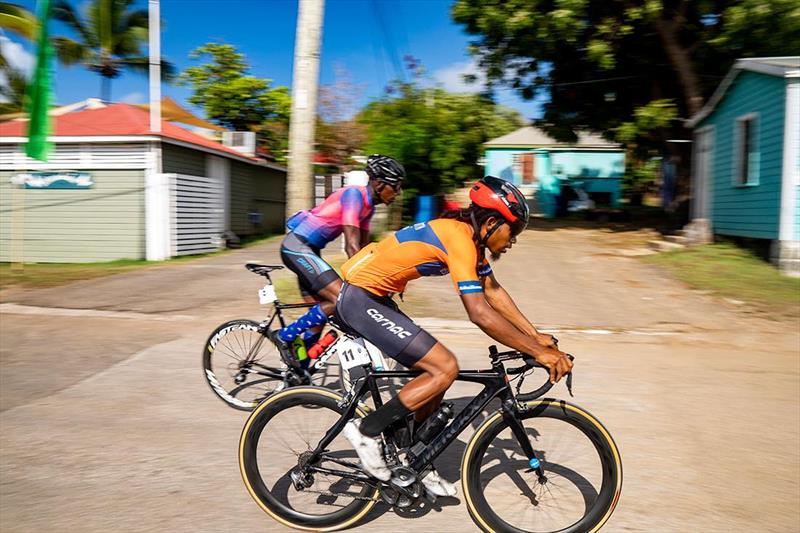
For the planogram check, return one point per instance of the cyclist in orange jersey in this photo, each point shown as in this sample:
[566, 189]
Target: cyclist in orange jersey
[456, 244]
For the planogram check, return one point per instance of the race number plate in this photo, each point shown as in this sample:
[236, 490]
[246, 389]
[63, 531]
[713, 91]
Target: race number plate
[352, 353]
[267, 295]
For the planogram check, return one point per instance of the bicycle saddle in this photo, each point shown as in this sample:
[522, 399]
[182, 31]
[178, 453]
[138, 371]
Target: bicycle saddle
[262, 269]
[341, 327]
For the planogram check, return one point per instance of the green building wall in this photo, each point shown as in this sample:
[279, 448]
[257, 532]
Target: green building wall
[103, 223]
[748, 210]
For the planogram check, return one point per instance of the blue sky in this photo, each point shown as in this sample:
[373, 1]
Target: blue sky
[364, 37]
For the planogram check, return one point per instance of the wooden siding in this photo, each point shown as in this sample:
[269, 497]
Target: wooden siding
[748, 211]
[257, 189]
[180, 160]
[103, 223]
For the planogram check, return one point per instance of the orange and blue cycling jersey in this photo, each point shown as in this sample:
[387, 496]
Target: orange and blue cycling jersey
[434, 248]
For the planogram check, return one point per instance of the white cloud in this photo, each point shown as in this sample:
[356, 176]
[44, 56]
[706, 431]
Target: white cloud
[133, 98]
[452, 77]
[16, 55]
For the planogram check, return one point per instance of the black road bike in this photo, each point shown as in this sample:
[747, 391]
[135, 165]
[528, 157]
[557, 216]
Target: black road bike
[533, 465]
[242, 366]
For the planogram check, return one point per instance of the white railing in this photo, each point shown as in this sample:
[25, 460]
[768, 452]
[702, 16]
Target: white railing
[197, 214]
[79, 156]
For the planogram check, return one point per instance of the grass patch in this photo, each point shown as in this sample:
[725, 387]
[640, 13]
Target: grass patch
[40, 275]
[53, 274]
[731, 272]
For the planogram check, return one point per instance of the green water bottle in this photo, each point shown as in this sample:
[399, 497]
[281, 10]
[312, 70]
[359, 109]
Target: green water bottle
[300, 348]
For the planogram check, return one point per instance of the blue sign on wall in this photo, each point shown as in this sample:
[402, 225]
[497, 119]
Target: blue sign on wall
[54, 180]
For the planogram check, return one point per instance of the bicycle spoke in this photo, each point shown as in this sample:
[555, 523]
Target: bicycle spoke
[233, 380]
[570, 464]
[290, 434]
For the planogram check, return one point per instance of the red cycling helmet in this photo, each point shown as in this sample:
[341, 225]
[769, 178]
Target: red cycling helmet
[505, 198]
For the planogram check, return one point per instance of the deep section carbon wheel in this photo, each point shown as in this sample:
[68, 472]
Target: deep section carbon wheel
[577, 484]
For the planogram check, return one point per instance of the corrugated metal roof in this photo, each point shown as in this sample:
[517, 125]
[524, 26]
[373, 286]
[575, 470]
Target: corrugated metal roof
[531, 137]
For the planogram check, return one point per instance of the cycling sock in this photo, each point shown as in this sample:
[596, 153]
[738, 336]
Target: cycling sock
[311, 338]
[314, 317]
[375, 422]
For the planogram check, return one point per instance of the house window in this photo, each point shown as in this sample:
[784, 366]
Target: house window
[746, 150]
[526, 167]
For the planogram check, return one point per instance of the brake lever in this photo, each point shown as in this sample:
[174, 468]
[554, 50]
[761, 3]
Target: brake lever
[569, 378]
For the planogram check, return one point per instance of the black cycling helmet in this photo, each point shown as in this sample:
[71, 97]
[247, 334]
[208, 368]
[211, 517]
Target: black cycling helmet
[385, 169]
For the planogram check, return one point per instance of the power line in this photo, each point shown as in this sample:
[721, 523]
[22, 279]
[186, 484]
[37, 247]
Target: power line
[389, 44]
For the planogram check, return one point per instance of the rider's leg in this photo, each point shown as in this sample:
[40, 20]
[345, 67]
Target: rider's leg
[422, 414]
[317, 315]
[439, 368]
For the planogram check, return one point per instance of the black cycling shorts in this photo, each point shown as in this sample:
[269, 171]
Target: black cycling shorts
[379, 320]
[313, 273]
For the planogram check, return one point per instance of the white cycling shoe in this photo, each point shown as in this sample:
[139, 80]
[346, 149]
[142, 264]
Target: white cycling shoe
[368, 450]
[438, 486]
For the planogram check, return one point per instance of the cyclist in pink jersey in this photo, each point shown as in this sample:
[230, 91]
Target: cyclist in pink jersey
[349, 211]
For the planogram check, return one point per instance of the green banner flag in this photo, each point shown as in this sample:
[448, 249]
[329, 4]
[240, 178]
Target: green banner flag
[37, 96]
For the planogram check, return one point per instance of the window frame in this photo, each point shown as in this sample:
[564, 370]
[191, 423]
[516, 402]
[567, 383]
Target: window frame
[753, 166]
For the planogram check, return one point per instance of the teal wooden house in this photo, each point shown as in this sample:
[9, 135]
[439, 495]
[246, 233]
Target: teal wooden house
[746, 162]
[549, 172]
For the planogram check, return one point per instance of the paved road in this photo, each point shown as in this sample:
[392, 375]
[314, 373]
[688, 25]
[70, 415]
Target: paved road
[107, 425]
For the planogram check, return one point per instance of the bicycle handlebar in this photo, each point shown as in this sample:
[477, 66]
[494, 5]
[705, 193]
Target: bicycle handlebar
[530, 363]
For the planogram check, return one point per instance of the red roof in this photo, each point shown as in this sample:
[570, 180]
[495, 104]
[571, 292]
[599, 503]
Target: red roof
[115, 119]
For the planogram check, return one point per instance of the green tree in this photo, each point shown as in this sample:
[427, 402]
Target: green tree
[17, 19]
[601, 61]
[234, 99]
[437, 135]
[109, 39]
[12, 90]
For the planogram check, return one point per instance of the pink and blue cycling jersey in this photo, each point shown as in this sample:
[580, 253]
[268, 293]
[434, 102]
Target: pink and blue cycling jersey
[349, 206]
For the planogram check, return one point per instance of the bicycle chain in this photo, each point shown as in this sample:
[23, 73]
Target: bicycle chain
[328, 493]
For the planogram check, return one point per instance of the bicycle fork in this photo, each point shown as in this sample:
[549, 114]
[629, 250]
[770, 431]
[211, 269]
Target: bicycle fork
[511, 416]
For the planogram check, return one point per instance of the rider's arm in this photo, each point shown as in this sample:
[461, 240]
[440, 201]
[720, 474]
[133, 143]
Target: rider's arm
[500, 329]
[501, 301]
[352, 240]
[352, 206]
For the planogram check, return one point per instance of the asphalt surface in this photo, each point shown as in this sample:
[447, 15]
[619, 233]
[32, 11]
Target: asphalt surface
[106, 422]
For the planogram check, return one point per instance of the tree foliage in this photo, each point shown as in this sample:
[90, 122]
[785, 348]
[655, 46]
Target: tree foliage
[17, 19]
[110, 35]
[601, 60]
[339, 136]
[12, 90]
[236, 100]
[437, 135]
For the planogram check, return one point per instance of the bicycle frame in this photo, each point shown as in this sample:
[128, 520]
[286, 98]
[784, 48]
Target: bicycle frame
[495, 383]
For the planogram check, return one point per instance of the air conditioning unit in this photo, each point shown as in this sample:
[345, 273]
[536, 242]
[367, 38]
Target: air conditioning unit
[241, 141]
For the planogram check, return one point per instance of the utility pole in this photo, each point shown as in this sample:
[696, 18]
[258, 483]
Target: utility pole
[305, 81]
[154, 34]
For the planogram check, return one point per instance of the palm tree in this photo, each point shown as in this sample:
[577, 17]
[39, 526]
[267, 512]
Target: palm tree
[16, 19]
[109, 39]
[12, 90]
